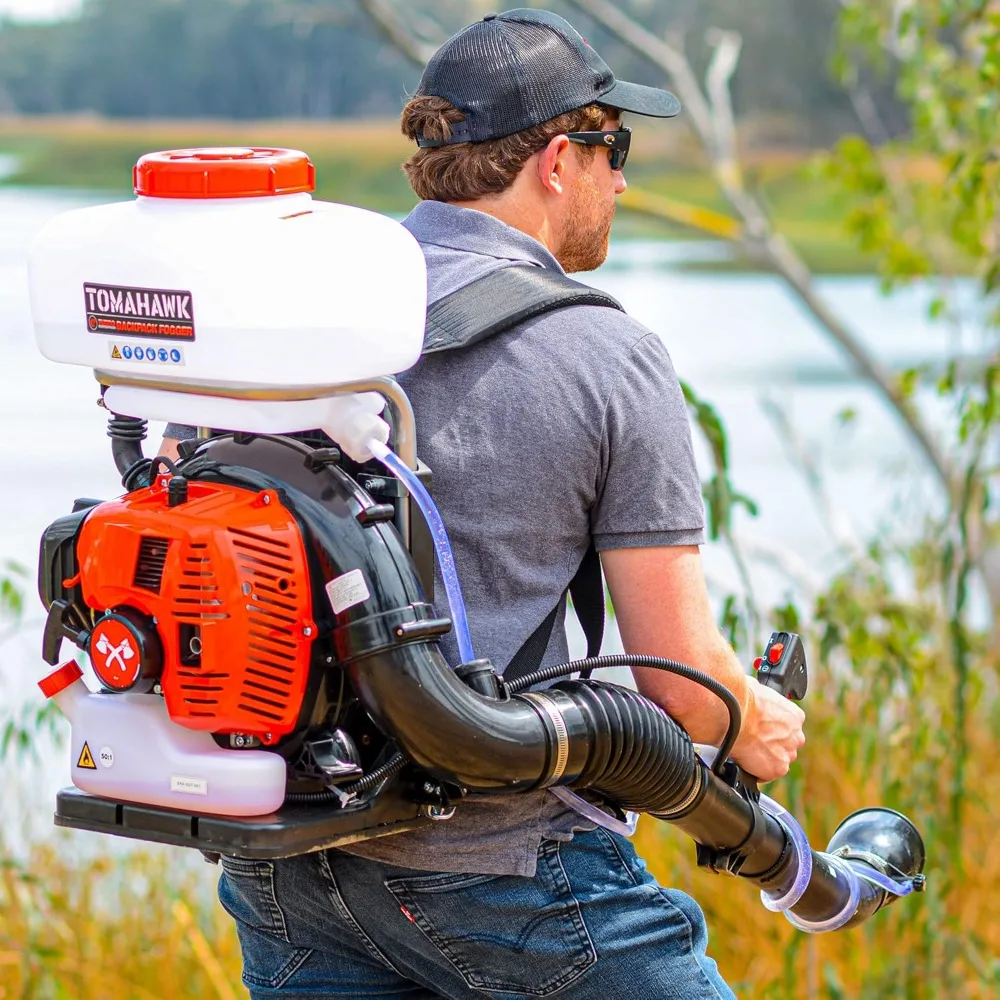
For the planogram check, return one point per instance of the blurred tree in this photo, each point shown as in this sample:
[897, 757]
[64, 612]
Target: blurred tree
[211, 58]
[322, 58]
[927, 206]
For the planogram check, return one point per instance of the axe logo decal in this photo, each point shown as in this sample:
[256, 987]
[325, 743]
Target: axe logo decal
[116, 653]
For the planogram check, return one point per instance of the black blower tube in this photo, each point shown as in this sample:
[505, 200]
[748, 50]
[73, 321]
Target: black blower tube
[597, 736]
[581, 733]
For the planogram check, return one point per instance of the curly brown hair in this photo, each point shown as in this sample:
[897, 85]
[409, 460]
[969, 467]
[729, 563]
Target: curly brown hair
[470, 170]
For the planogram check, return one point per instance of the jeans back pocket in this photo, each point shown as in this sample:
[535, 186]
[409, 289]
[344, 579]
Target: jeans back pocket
[247, 893]
[503, 932]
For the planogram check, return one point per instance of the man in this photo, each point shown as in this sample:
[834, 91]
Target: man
[567, 429]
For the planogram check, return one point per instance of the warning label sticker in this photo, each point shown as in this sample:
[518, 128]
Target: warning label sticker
[142, 312]
[150, 354]
[86, 759]
[347, 590]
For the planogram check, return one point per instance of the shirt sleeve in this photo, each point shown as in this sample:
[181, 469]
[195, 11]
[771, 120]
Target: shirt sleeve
[649, 490]
[180, 432]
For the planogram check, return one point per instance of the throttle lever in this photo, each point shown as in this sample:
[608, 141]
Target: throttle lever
[783, 666]
[783, 669]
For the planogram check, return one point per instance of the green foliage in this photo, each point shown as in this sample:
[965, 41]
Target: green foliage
[909, 676]
[927, 204]
[721, 499]
[929, 199]
[892, 719]
[19, 731]
[12, 575]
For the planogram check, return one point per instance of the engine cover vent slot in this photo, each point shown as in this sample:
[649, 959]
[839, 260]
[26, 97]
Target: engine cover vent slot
[150, 563]
[274, 604]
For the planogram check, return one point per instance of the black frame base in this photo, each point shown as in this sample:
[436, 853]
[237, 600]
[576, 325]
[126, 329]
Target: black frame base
[292, 830]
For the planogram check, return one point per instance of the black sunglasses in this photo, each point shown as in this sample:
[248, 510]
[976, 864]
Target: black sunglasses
[618, 142]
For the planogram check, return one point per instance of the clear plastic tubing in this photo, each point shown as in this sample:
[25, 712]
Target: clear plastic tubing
[449, 573]
[783, 902]
[838, 919]
[596, 814]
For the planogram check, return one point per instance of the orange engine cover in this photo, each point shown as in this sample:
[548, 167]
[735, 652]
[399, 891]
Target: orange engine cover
[225, 576]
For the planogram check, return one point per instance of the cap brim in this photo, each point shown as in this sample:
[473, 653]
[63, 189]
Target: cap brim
[641, 100]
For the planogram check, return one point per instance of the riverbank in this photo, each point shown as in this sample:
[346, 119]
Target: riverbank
[358, 162]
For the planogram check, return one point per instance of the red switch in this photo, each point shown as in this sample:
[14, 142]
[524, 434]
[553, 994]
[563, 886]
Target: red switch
[757, 662]
[775, 652]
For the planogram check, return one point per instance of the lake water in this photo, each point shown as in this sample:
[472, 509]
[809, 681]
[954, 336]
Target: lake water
[736, 338]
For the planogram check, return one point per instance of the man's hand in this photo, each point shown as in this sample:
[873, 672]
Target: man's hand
[771, 734]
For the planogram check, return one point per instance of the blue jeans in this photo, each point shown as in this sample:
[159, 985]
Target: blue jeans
[591, 925]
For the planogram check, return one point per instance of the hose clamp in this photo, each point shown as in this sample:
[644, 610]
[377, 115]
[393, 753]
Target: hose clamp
[555, 716]
[677, 811]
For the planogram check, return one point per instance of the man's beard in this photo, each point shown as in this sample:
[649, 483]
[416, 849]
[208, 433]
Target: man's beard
[584, 246]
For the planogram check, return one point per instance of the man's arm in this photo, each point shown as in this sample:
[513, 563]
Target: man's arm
[662, 607]
[168, 448]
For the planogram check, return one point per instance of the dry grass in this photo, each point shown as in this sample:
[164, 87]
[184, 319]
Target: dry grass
[943, 945]
[380, 133]
[127, 928]
[134, 928]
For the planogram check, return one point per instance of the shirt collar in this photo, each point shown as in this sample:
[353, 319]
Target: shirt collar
[444, 225]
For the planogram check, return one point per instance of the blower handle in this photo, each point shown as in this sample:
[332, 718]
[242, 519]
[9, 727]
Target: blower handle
[783, 666]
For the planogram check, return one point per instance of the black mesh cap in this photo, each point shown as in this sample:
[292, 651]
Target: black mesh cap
[514, 70]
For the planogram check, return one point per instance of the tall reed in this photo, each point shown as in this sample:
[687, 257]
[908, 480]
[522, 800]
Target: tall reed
[132, 927]
[886, 726]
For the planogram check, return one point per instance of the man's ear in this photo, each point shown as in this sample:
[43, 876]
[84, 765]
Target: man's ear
[553, 163]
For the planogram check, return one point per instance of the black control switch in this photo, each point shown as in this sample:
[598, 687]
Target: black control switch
[783, 665]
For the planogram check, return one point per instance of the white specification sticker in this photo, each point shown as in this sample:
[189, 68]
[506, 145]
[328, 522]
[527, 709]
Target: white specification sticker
[106, 757]
[347, 590]
[189, 786]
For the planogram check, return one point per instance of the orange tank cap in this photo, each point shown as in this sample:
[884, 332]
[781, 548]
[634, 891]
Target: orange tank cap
[223, 172]
[60, 679]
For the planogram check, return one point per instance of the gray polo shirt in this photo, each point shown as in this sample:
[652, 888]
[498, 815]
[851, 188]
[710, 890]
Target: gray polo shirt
[568, 427]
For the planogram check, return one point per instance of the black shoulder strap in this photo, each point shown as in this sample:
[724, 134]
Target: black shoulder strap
[484, 308]
[501, 300]
[587, 591]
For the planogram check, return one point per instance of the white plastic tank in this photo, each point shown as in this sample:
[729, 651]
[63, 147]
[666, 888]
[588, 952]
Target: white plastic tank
[124, 746]
[225, 271]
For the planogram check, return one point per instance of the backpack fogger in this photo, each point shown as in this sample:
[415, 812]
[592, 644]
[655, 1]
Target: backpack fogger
[256, 613]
